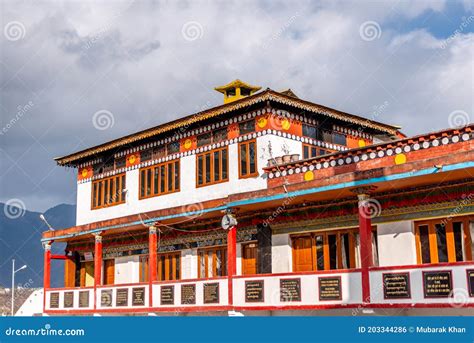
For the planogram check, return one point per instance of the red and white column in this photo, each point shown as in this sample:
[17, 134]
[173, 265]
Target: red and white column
[47, 265]
[365, 234]
[98, 260]
[152, 261]
[231, 259]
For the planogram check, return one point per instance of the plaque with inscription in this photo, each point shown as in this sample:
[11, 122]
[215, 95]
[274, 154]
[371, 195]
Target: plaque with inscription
[54, 300]
[211, 293]
[329, 288]
[254, 291]
[396, 286]
[188, 294]
[167, 295]
[290, 290]
[68, 299]
[122, 297]
[138, 296]
[84, 299]
[106, 298]
[470, 281]
[437, 284]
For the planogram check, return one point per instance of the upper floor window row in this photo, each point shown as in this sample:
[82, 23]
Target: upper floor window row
[314, 132]
[159, 179]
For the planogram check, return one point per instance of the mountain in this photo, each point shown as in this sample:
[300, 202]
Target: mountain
[20, 235]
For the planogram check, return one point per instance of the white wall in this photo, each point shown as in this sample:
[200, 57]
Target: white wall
[396, 243]
[189, 264]
[281, 253]
[127, 269]
[189, 194]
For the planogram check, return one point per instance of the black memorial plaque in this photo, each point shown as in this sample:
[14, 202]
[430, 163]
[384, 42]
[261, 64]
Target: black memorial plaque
[68, 299]
[167, 295]
[396, 286]
[290, 290]
[122, 297]
[54, 300]
[84, 299]
[329, 288]
[437, 284]
[138, 296]
[254, 291]
[188, 294]
[106, 298]
[211, 293]
[470, 281]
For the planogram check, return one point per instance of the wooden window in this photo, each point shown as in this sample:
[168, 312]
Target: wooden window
[108, 192]
[204, 139]
[310, 151]
[169, 266]
[159, 179]
[310, 131]
[327, 250]
[212, 167]
[443, 240]
[219, 135]
[146, 155]
[143, 274]
[248, 159]
[87, 274]
[108, 277]
[247, 127]
[120, 162]
[172, 148]
[212, 262]
[159, 152]
[339, 138]
[249, 258]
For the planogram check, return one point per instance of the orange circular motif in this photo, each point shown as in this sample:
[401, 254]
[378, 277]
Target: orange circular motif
[84, 172]
[361, 143]
[132, 159]
[400, 159]
[262, 122]
[285, 124]
[308, 176]
[187, 143]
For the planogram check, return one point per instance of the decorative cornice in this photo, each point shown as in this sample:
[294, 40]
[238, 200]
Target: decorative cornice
[262, 97]
[372, 152]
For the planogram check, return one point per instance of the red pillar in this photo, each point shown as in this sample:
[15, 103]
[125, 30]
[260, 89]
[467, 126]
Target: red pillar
[152, 272]
[98, 260]
[365, 235]
[47, 266]
[231, 259]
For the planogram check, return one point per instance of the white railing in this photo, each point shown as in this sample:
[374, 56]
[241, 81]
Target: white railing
[298, 289]
[446, 283]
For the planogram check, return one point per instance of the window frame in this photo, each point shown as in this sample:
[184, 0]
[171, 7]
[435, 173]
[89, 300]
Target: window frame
[174, 255]
[212, 169]
[166, 176]
[107, 180]
[255, 173]
[318, 150]
[205, 251]
[450, 242]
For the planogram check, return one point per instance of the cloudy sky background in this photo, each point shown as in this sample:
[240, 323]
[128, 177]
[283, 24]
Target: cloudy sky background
[408, 63]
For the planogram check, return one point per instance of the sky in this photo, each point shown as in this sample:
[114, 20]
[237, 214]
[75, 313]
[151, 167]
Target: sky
[75, 74]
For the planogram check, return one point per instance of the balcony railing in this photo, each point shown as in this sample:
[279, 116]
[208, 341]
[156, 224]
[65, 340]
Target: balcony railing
[440, 285]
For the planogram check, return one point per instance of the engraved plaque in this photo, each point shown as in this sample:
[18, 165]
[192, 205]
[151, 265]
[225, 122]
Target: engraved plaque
[188, 294]
[437, 284]
[211, 293]
[68, 299]
[84, 299]
[396, 286]
[122, 297]
[138, 296]
[167, 295]
[470, 282]
[106, 298]
[329, 288]
[54, 300]
[290, 290]
[254, 291]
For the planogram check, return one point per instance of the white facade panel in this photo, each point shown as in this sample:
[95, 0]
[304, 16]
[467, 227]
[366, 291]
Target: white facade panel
[396, 243]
